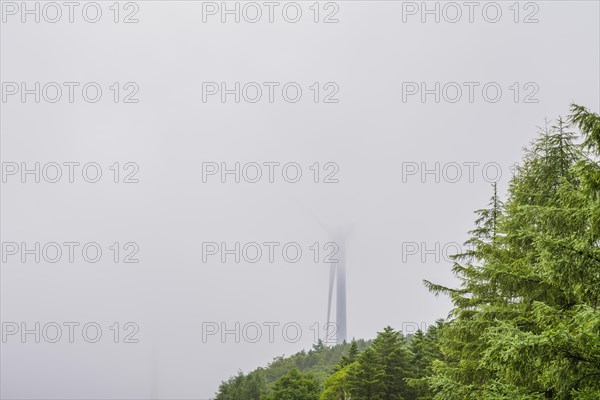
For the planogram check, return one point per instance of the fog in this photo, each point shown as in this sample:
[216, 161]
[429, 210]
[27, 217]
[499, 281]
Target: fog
[398, 174]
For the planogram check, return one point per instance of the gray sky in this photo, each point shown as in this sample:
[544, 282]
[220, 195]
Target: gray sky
[371, 135]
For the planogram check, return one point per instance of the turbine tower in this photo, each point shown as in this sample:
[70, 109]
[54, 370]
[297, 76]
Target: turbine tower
[337, 278]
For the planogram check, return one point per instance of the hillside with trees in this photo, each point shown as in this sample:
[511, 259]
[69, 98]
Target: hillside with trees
[525, 323]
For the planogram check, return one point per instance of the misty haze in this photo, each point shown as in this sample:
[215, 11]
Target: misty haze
[308, 200]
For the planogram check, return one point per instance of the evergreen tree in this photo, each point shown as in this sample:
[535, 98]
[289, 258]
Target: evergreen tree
[235, 389]
[526, 321]
[425, 349]
[337, 386]
[366, 380]
[461, 375]
[319, 346]
[254, 386]
[394, 359]
[295, 385]
[350, 357]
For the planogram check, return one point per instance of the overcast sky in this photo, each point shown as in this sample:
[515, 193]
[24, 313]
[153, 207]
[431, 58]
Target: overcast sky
[370, 130]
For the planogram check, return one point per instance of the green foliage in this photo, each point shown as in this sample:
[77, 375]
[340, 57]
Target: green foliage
[350, 358]
[587, 122]
[395, 361]
[526, 323]
[294, 385]
[320, 362]
[241, 387]
[337, 385]
[425, 349]
[380, 372]
[366, 380]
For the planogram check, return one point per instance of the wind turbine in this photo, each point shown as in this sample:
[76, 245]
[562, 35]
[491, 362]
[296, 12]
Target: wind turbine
[337, 281]
[337, 276]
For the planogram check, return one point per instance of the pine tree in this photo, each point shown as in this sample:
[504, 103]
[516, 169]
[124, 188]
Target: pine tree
[542, 349]
[295, 385]
[366, 380]
[350, 357]
[319, 346]
[254, 386]
[460, 375]
[394, 359]
[337, 386]
[526, 323]
[425, 349]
